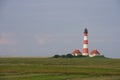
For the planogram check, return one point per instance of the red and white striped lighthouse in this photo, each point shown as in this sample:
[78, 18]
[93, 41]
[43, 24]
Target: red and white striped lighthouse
[85, 43]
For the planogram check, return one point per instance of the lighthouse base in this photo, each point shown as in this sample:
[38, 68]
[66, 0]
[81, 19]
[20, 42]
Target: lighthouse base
[84, 54]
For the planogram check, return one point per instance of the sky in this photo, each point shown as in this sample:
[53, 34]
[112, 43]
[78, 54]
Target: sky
[43, 28]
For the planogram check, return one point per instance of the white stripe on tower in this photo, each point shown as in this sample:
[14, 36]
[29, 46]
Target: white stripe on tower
[85, 37]
[85, 43]
[85, 46]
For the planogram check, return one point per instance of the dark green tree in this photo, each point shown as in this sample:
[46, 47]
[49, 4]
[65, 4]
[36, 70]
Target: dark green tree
[63, 56]
[69, 55]
[56, 56]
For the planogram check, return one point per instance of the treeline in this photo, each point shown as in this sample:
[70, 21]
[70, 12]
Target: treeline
[66, 56]
[71, 56]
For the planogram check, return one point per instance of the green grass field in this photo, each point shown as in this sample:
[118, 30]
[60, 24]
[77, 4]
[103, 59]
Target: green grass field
[59, 69]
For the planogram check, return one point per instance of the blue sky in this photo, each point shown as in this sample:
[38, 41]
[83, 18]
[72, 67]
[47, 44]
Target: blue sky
[48, 27]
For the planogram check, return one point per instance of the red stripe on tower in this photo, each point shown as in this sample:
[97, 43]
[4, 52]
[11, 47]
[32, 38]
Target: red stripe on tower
[85, 43]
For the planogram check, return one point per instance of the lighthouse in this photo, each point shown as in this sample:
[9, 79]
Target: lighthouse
[85, 43]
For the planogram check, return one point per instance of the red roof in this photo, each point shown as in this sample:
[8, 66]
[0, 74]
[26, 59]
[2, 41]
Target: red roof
[94, 52]
[76, 51]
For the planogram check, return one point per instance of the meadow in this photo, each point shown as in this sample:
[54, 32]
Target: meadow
[59, 69]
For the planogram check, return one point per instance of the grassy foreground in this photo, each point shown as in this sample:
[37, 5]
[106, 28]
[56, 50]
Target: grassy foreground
[59, 69]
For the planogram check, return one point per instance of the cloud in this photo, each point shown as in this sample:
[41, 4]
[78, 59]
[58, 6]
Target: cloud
[44, 39]
[41, 39]
[7, 38]
[8, 50]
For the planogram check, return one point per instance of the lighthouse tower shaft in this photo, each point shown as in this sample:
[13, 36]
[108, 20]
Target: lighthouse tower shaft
[85, 43]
